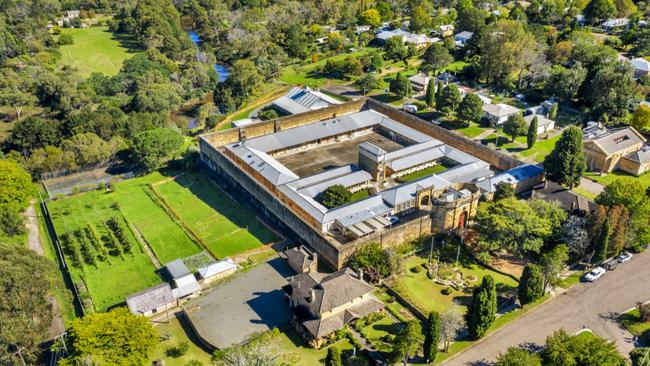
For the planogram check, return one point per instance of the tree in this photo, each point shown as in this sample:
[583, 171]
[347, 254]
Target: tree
[620, 219]
[430, 96]
[333, 357]
[515, 126]
[504, 190]
[471, 19]
[482, 309]
[26, 280]
[244, 78]
[420, 19]
[152, 148]
[602, 246]
[552, 114]
[16, 91]
[432, 337]
[552, 264]
[470, 109]
[613, 89]
[598, 11]
[395, 49]
[407, 341]
[531, 136]
[531, 284]
[578, 350]
[16, 185]
[33, 133]
[253, 353]
[449, 99]
[641, 118]
[436, 57]
[518, 357]
[203, 112]
[564, 82]
[401, 86]
[574, 233]
[370, 17]
[369, 82]
[385, 10]
[375, 261]
[451, 324]
[334, 196]
[566, 163]
[630, 194]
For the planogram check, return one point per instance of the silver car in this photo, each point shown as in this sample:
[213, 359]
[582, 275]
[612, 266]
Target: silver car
[624, 257]
[595, 274]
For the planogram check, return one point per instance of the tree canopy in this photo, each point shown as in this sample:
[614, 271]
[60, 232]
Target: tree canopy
[566, 163]
[334, 196]
[153, 148]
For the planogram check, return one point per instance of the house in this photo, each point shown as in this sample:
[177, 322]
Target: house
[446, 77]
[461, 39]
[183, 280]
[446, 30]
[71, 14]
[570, 201]
[420, 81]
[484, 99]
[611, 25]
[323, 304]
[543, 124]
[637, 162]
[302, 259]
[217, 270]
[497, 114]
[604, 148]
[299, 100]
[151, 301]
[641, 67]
[362, 29]
[521, 178]
[419, 40]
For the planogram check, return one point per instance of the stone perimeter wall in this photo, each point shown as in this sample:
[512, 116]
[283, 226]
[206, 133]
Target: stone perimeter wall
[334, 253]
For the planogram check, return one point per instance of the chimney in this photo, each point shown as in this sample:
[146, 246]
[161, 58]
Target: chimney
[361, 274]
[312, 295]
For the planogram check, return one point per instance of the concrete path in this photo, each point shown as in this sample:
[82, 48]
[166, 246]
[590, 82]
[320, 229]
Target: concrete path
[591, 186]
[34, 243]
[586, 305]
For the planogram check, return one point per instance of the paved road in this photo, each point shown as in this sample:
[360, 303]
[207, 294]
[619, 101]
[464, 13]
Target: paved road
[590, 305]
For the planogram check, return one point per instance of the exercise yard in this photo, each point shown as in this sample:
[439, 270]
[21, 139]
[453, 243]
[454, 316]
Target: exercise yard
[223, 225]
[95, 49]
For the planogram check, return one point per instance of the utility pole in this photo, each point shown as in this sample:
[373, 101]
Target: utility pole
[431, 253]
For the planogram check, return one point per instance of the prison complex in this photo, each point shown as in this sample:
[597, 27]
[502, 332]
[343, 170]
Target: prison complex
[417, 178]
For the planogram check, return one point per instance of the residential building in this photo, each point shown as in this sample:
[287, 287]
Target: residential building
[420, 81]
[217, 270]
[461, 39]
[184, 282]
[419, 40]
[570, 201]
[521, 178]
[300, 100]
[302, 259]
[616, 148]
[151, 301]
[611, 25]
[323, 304]
[544, 124]
[498, 114]
[446, 30]
[641, 67]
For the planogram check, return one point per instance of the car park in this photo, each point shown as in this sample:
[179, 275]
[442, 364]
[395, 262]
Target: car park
[595, 274]
[624, 257]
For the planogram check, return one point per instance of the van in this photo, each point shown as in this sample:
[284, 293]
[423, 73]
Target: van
[410, 108]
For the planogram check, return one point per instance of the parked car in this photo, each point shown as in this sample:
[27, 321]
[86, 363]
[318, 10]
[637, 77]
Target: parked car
[624, 257]
[611, 264]
[436, 121]
[393, 220]
[595, 274]
[411, 108]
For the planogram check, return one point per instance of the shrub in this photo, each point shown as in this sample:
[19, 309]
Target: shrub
[430, 274]
[644, 312]
[66, 39]
[416, 269]
[446, 291]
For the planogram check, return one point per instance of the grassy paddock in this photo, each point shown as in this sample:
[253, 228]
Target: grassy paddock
[222, 224]
[438, 168]
[95, 49]
[172, 335]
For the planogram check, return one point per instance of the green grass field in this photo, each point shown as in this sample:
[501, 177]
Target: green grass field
[422, 173]
[222, 224]
[607, 179]
[632, 322]
[95, 49]
[109, 282]
[172, 335]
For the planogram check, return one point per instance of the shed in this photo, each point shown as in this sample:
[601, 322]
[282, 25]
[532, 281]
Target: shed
[217, 270]
[152, 300]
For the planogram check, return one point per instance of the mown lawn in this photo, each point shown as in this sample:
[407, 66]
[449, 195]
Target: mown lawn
[95, 49]
[381, 334]
[309, 74]
[108, 282]
[427, 295]
[359, 195]
[607, 179]
[172, 334]
[422, 173]
[223, 225]
[632, 322]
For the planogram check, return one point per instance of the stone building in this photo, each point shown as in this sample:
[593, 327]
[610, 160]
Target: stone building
[619, 148]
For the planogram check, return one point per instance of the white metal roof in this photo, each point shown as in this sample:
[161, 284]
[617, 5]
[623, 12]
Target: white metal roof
[217, 268]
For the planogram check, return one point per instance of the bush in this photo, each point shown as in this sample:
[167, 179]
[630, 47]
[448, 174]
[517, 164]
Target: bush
[267, 114]
[66, 39]
[446, 291]
[638, 355]
[416, 269]
[644, 312]
[430, 275]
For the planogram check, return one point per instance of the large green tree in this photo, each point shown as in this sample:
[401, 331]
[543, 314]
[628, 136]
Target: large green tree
[407, 342]
[565, 82]
[531, 284]
[515, 126]
[333, 357]
[395, 49]
[436, 57]
[531, 135]
[481, 312]
[375, 261]
[151, 149]
[553, 262]
[401, 86]
[470, 109]
[580, 350]
[26, 280]
[641, 118]
[430, 96]
[518, 357]
[117, 337]
[566, 163]
[612, 89]
[449, 99]
[432, 337]
[630, 194]
[334, 196]
[598, 11]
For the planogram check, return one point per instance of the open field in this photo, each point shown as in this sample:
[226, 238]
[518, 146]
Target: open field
[109, 282]
[427, 295]
[95, 49]
[223, 225]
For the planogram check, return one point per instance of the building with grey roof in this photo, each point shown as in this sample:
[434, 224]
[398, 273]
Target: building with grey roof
[324, 304]
[607, 149]
[152, 301]
[182, 278]
[300, 100]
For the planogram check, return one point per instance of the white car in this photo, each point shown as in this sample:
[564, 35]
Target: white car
[411, 108]
[595, 274]
[624, 257]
